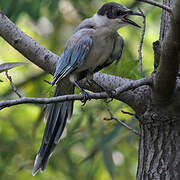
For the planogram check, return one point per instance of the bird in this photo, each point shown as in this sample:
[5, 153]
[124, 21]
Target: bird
[94, 44]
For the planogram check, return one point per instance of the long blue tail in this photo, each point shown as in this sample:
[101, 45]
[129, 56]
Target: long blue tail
[56, 118]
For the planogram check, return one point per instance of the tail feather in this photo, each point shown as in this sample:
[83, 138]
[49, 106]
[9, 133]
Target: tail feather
[56, 118]
[64, 115]
[70, 110]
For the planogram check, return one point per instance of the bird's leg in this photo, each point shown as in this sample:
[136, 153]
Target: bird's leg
[83, 92]
[74, 78]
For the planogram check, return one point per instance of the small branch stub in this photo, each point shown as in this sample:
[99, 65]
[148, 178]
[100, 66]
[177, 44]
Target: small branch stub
[112, 117]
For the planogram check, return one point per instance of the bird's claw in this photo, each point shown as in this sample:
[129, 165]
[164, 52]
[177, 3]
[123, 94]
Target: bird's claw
[85, 97]
[90, 82]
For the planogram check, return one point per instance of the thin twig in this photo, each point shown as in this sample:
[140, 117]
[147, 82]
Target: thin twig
[160, 5]
[12, 85]
[112, 117]
[31, 78]
[133, 85]
[141, 43]
[129, 113]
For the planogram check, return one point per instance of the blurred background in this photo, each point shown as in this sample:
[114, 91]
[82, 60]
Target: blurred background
[91, 148]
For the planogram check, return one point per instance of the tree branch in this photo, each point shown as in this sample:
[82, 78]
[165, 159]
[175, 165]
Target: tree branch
[165, 79]
[29, 48]
[47, 61]
[102, 95]
[112, 117]
[135, 98]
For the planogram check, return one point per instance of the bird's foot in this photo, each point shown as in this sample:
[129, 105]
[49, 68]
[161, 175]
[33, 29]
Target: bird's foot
[85, 97]
[83, 92]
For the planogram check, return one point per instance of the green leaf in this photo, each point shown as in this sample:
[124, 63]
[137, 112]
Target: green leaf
[108, 160]
[102, 142]
[108, 138]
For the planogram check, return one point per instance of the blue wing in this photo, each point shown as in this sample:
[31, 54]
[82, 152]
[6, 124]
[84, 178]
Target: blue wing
[72, 58]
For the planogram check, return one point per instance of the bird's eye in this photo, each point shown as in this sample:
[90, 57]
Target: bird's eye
[120, 13]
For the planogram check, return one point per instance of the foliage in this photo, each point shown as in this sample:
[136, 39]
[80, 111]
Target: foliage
[91, 148]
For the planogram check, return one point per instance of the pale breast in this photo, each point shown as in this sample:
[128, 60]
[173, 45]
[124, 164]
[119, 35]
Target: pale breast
[101, 50]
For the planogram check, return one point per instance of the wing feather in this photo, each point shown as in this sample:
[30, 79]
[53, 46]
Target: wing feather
[72, 58]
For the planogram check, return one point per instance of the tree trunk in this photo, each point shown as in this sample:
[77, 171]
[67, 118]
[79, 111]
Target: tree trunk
[159, 146]
[159, 142]
[165, 18]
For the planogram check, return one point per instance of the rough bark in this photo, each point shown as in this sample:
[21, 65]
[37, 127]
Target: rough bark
[165, 19]
[159, 148]
[165, 78]
[159, 140]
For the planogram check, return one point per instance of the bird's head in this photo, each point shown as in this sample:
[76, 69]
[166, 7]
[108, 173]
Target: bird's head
[116, 15]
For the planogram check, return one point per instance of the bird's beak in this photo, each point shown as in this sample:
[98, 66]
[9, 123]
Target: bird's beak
[126, 20]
